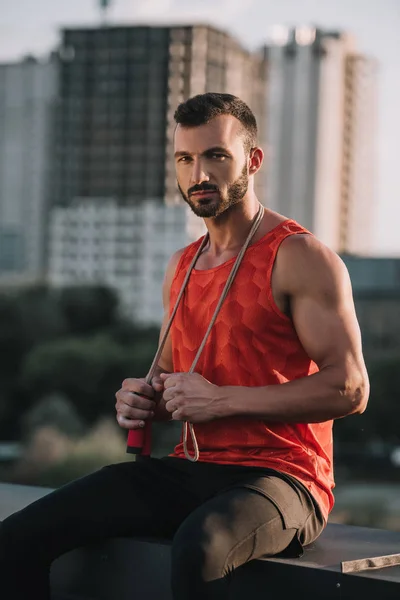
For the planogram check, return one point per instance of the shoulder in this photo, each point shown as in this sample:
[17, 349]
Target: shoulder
[175, 260]
[172, 265]
[304, 263]
[188, 250]
[169, 275]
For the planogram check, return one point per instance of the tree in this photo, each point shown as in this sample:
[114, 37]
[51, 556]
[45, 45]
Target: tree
[88, 309]
[54, 410]
[40, 315]
[89, 371]
[71, 340]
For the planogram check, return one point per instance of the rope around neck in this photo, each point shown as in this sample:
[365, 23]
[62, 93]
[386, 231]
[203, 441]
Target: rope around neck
[228, 284]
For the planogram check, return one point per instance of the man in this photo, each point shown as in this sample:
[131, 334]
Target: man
[283, 360]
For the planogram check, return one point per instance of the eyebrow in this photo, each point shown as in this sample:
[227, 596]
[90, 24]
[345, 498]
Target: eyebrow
[212, 150]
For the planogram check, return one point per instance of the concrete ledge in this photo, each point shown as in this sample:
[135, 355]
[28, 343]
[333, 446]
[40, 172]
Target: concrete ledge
[128, 568]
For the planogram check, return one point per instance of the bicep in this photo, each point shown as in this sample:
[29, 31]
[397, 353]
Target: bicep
[324, 316]
[329, 334]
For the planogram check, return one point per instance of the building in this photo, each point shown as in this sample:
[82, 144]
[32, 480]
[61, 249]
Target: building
[111, 122]
[27, 101]
[126, 247]
[359, 173]
[205, 59]
[119, 88]
[376, 291]
[321, 135]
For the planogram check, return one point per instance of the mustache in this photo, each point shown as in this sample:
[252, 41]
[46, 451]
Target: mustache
[204, 187]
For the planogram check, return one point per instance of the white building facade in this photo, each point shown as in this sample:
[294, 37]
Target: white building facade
[321, 108]
[27, 99]
[359, 175]
[126, 247]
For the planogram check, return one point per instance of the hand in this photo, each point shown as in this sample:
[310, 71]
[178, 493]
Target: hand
[136, 402]
[190, 397]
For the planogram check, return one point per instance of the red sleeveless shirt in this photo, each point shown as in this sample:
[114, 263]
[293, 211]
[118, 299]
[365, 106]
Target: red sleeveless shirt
[252, 343]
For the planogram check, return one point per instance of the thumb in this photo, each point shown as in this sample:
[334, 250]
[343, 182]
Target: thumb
[157, 384]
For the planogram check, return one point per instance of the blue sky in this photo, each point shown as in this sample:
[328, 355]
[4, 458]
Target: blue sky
[31, 26]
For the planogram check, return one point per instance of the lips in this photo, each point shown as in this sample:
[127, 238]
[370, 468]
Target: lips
[205, 193]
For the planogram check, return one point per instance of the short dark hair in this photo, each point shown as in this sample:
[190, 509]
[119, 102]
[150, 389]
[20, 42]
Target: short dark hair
[201, 109]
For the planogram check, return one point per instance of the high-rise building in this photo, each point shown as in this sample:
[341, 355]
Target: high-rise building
[204, 59]
[27, 101]
[119, 88]
[321, 136]
[126, 247]
[359, 171]
[111, 124]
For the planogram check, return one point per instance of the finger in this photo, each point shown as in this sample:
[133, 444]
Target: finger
[164, 378]
[134, 400]
[170, 394]
[174, 405]
[127, 413]
[138, 386]
[169, 406]
[169, 376]
[157, 384]
[177, 414]
[134, 413]
[171, 380]
[130, 423]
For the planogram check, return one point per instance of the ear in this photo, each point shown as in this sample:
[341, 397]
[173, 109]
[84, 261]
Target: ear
[255, 160]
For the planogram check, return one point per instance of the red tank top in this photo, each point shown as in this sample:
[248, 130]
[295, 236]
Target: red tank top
[252, 343]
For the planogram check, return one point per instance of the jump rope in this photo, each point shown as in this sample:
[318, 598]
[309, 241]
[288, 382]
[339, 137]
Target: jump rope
[139, 440]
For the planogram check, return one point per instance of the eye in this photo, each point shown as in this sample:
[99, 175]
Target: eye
[184, 159]
[218, 155]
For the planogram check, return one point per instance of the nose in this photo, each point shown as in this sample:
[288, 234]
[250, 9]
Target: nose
[199, 174]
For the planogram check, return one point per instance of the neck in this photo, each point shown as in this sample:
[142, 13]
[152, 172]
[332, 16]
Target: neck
[229, 230]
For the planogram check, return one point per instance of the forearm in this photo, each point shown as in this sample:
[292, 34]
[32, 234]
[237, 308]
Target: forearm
[314, 399]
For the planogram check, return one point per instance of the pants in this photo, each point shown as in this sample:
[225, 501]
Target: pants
[218, 517]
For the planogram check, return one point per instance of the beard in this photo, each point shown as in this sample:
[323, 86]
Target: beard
[217, 204]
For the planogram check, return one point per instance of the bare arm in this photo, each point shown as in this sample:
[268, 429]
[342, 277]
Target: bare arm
[322, 308]
[318, 285]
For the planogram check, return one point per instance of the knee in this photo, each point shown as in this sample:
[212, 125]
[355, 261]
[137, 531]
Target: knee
[197, 565]
[200, 551]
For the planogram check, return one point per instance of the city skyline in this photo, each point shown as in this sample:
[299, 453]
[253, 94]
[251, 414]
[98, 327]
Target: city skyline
[375, 29]
[113, 171]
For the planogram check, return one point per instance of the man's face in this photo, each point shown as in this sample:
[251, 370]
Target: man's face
[211, 165]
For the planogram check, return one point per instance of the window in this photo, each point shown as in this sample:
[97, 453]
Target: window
[11, 250]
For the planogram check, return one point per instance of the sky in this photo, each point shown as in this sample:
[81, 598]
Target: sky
[32, 27]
